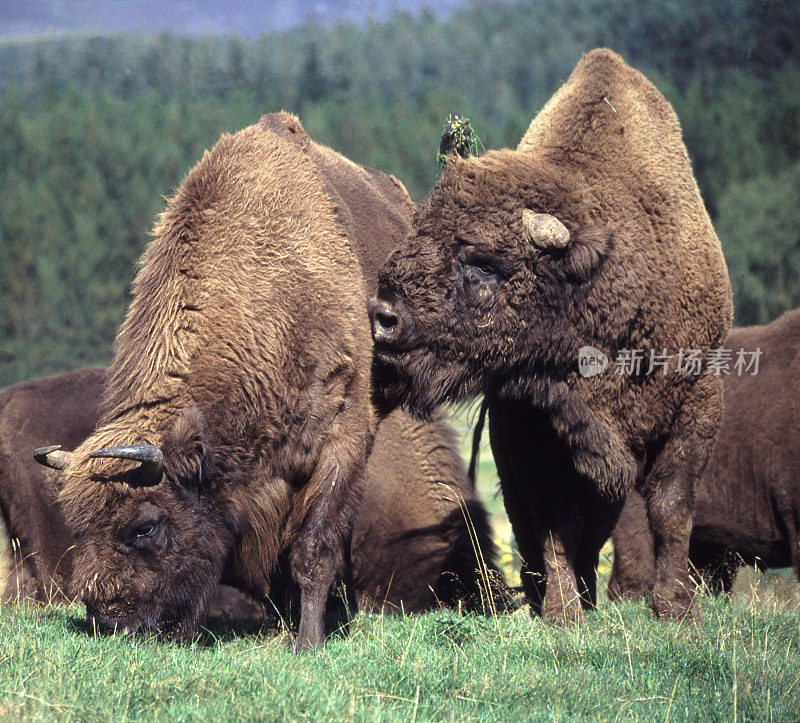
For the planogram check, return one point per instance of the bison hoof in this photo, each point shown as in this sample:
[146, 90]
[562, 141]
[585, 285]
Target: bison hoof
[563, 615]
[675, 609]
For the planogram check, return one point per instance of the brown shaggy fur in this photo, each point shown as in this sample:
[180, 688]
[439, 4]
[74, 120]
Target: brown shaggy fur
[747, 505]
[30, 414]
[411, 545]
[245, 357]
[423, 536]
[470, 305]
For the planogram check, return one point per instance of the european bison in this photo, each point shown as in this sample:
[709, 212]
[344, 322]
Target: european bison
[422, 538]
[589, 238]
[411, 544]
[747, 504]
[236, 416]
[31, 413]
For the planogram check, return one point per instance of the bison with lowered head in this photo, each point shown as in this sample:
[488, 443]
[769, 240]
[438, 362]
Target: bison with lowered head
[236, 417]
[412, 548]
[592, 233]
[747, 505]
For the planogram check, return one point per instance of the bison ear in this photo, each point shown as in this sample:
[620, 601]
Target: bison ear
[187, 453]
[586, 253]
[544, 231]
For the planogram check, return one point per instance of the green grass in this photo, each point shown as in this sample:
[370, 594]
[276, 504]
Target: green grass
[741, 662]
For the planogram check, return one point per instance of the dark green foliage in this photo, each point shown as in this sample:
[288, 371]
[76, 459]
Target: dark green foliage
[94, 131]
[83, 178]
[759, 223]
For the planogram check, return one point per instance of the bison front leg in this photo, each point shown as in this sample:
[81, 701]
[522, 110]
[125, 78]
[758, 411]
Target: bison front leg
[577, 521]
[536, 477]
[669, 506]
[669, 493]
[562, 601]
[323, 520]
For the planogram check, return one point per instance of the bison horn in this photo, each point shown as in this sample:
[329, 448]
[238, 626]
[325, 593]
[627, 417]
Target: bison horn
[544, 231]
[53, 456]
[150, 456]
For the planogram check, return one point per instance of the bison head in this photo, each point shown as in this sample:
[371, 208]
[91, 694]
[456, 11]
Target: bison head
[487, 293]
[150, 542]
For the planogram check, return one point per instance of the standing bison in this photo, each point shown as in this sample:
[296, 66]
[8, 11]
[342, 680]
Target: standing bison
[412, 548]
[747, 507]
[236, 417]
[590, 236]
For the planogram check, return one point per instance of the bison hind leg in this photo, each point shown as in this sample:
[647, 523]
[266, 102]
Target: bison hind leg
[669, 493]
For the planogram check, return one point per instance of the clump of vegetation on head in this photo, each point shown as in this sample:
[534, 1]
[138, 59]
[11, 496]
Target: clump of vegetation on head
[458, 138]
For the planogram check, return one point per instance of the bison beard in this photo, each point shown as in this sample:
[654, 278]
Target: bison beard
[591, 233]
[749, 494]
[412, 549]
[244, 360]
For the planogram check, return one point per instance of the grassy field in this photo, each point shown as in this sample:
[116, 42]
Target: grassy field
[740, 663]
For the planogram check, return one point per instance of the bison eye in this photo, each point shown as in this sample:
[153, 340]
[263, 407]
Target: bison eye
[146, 530]
[140, 534]
[480, 276]
[479, 270]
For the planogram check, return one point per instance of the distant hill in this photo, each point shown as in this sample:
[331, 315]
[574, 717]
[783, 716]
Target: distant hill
[25, 18]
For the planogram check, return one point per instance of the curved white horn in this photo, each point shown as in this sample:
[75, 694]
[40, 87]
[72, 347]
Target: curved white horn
[544, 231]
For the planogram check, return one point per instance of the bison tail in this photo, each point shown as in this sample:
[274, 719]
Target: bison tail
[476, 444]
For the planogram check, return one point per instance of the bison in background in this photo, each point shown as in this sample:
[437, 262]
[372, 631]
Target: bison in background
[236, 417]
[747, 502]
[592, 233]
[422, 538]
[30, 414]
[411, 545]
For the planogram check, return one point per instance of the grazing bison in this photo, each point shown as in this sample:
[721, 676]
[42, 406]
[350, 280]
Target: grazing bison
[590, 237]
[747, 503]
[411, 544]
[236, 417]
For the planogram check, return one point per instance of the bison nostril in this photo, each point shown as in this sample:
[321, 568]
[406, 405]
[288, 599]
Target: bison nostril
[385, 323]
[386, 320]
[391, 322]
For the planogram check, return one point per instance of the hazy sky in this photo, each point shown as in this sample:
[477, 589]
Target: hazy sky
[241, 17]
